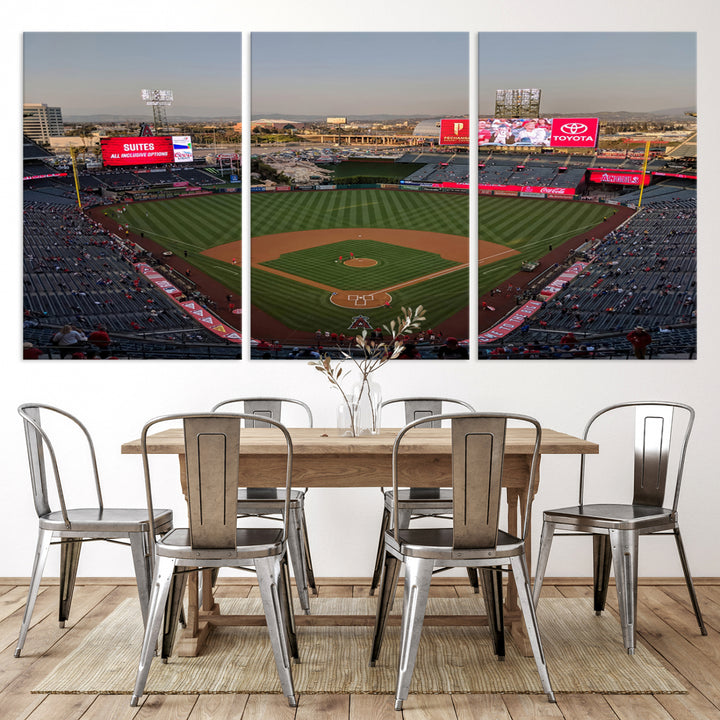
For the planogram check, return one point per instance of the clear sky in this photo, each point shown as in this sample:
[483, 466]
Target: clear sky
[585, 72]
[350, 74]
[96, 73]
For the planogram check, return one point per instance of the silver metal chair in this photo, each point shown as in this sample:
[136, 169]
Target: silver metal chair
[616, 528]
[269, 502]
[73, 526]
[213, 540]
[418, 502]
[474, 540]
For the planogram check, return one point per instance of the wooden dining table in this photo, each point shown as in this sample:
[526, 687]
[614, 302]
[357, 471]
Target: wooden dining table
[322, 458]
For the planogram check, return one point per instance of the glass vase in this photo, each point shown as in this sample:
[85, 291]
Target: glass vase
[366, 400]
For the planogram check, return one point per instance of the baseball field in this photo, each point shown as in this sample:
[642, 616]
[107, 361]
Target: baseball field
[321, 258]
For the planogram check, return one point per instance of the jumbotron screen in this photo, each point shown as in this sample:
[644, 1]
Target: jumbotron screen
[530, 132]
[119, 151]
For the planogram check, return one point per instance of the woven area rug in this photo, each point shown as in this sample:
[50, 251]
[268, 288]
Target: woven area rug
[584, 654]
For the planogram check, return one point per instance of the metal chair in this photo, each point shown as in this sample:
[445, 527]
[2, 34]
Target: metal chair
[268, 502]
[213, 540]
[616, 528]
[73, 526]
[474, 540]
[417, 502]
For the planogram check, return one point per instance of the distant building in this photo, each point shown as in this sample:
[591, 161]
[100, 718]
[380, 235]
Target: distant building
[41, 122]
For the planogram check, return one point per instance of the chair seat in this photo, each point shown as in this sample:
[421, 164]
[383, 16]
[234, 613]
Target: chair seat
[437, 543]
[267, 500]
[611, 516]
[422, 499]
[250, 543]
[107, 520]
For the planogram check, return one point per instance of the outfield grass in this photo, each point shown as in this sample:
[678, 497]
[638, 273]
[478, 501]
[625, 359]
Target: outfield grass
[395, 264]
[290, 212]
[531, 227]
[194, 224]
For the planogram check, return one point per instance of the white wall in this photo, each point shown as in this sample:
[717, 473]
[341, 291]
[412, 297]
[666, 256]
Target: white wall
[115, 399]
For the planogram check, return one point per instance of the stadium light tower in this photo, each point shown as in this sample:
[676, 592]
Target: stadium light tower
[159, 100]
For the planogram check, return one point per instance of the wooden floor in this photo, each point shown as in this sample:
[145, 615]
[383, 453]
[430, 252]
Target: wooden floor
[665, 623]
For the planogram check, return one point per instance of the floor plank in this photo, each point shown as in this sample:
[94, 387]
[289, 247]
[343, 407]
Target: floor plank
[693, 706]
[61, 706]
[530, 707]
[665, 620]
[585, 707]
[632, 707]
[218, 707]
[428, 707]
[262, 707]
[166, 707]
[480, 707]
[327, 707]
[113, 707]
[375, 707]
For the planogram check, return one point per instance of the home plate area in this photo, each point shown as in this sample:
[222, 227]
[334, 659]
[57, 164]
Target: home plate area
[359, 299]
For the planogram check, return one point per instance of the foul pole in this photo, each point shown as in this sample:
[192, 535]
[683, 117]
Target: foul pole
[73, 153]
[642, 176]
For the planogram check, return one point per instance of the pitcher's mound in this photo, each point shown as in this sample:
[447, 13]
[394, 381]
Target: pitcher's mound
[360, 262]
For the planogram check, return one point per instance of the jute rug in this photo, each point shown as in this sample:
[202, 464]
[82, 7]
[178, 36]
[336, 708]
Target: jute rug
[584, 654]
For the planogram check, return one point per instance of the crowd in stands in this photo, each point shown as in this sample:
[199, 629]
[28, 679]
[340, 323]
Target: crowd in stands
[76, 274]
[642, 274]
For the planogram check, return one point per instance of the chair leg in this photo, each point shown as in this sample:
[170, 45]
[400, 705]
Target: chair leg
[41, 553]
[309, 572]
[380, 556]
[142, 562]
[173, 612]
[491, 579]
[297, 557]
[164, 570]
[385, 603]
[688, 580]
[602, 560]
[473, 578]
[418, 574]
[522, 582]
[268, 574]
[286, 605]
[546, 538]
[69, 558]
[624, 546]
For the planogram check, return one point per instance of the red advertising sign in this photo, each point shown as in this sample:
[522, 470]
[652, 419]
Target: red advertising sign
[511, 323]
[617, 177]
[454, 132]
[119, 151]
[197, 312]
[574, 132]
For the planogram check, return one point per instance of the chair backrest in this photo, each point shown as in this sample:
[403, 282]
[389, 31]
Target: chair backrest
[263, 407]
[654, 422]
[212, 465]
[421, 407]
[478, 448]
[38, 443]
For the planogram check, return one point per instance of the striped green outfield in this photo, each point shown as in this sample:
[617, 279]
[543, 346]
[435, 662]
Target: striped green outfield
[290, 212]
[191, 225]
[532, 227]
